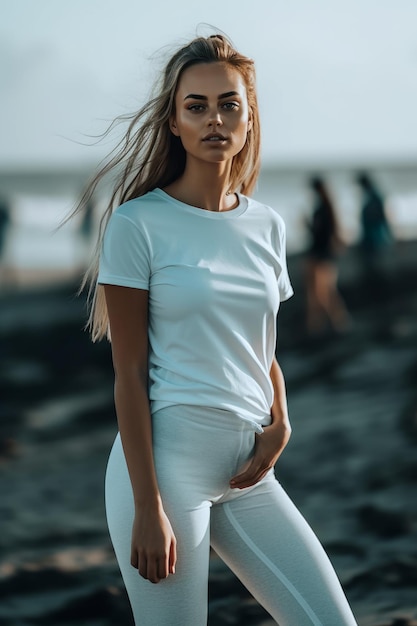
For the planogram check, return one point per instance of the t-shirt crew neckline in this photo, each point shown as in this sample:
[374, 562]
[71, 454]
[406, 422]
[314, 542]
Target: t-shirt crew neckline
[232, 213]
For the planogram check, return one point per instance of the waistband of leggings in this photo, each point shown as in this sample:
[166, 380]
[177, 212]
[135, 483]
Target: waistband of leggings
[210, 417]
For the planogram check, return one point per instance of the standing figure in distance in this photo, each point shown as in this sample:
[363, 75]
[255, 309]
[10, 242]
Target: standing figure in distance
[4, 232]
[324, 302]
[193, 272]
[376, 234]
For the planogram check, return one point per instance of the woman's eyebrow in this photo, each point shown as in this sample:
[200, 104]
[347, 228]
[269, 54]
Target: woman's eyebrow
[194, 96]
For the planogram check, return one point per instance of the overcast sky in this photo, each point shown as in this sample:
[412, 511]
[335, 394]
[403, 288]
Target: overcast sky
[337, 79]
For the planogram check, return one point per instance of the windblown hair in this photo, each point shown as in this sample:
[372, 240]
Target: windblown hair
[150, 155]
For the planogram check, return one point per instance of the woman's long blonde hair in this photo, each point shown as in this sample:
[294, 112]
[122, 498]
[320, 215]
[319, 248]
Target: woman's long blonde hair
[150, 156]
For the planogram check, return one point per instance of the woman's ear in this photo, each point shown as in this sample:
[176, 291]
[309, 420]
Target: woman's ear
[250, 121]
[173, 126]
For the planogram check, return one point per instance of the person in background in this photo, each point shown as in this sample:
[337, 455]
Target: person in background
[5, 221]
[189, 278]
[324, 302]
[86, 231]
[86, 228]
[376, 233]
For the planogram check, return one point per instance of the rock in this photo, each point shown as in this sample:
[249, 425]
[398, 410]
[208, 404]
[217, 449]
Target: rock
[408, 421]
[383, 522]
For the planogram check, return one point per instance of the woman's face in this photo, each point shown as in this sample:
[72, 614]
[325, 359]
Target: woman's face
[212, 114]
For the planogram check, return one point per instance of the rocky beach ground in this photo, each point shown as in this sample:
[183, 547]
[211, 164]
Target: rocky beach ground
[351, 465]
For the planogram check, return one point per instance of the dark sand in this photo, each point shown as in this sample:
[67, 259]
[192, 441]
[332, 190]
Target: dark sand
[351, 465]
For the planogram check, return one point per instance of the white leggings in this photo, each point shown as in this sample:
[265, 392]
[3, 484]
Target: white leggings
[257, 531]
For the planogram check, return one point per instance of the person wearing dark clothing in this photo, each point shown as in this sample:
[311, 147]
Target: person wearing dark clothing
[324, 302]
[376, 234]
[5, 220]
[376, 231]
[4, 224]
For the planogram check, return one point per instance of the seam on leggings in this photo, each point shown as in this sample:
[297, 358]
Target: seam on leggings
[238, 462]
[280, 575]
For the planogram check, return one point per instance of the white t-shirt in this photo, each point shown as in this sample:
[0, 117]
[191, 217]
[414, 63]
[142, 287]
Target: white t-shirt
[215, 281]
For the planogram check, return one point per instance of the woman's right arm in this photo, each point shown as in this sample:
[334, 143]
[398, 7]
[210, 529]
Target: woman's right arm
[153, 541]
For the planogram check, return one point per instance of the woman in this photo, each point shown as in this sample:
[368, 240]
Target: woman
[193, 272]
[324, 302]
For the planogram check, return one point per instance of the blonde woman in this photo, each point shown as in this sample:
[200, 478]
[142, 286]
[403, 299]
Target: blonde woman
[193, 272]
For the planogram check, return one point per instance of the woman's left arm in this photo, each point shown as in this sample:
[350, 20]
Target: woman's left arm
[270, 444]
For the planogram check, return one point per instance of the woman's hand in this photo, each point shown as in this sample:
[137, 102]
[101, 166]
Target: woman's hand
[268, 448]
[154, 546]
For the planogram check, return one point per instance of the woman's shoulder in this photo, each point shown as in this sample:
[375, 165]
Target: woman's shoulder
[141, 209]
[266, 212]
[146, 214]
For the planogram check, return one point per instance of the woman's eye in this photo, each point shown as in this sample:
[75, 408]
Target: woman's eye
[230, 106]
[196, 107]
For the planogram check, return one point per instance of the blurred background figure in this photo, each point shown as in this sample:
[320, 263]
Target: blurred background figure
[87, 222]
[376, 232]
[86, 229]
[324, 302]
[5, 220]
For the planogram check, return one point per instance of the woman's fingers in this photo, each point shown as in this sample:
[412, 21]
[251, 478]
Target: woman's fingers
[143, 566]
[153, 551]
[150, 569]
[154, 568]
[268, 448]
[134, 559]
[172, 557]
[253, 474]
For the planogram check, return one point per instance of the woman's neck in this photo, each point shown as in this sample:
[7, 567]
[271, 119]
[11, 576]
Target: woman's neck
[204, 187]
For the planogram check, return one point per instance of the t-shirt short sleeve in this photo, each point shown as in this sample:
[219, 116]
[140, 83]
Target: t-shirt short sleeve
[125, 254]
[284, 282]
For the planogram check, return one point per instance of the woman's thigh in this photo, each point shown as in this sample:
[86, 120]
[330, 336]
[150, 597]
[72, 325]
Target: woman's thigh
[265, 540]
[182, 597]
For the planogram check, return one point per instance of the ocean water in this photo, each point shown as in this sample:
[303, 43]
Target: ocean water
[39, 201]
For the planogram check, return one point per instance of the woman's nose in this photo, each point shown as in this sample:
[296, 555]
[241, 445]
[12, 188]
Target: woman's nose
[215, 119]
